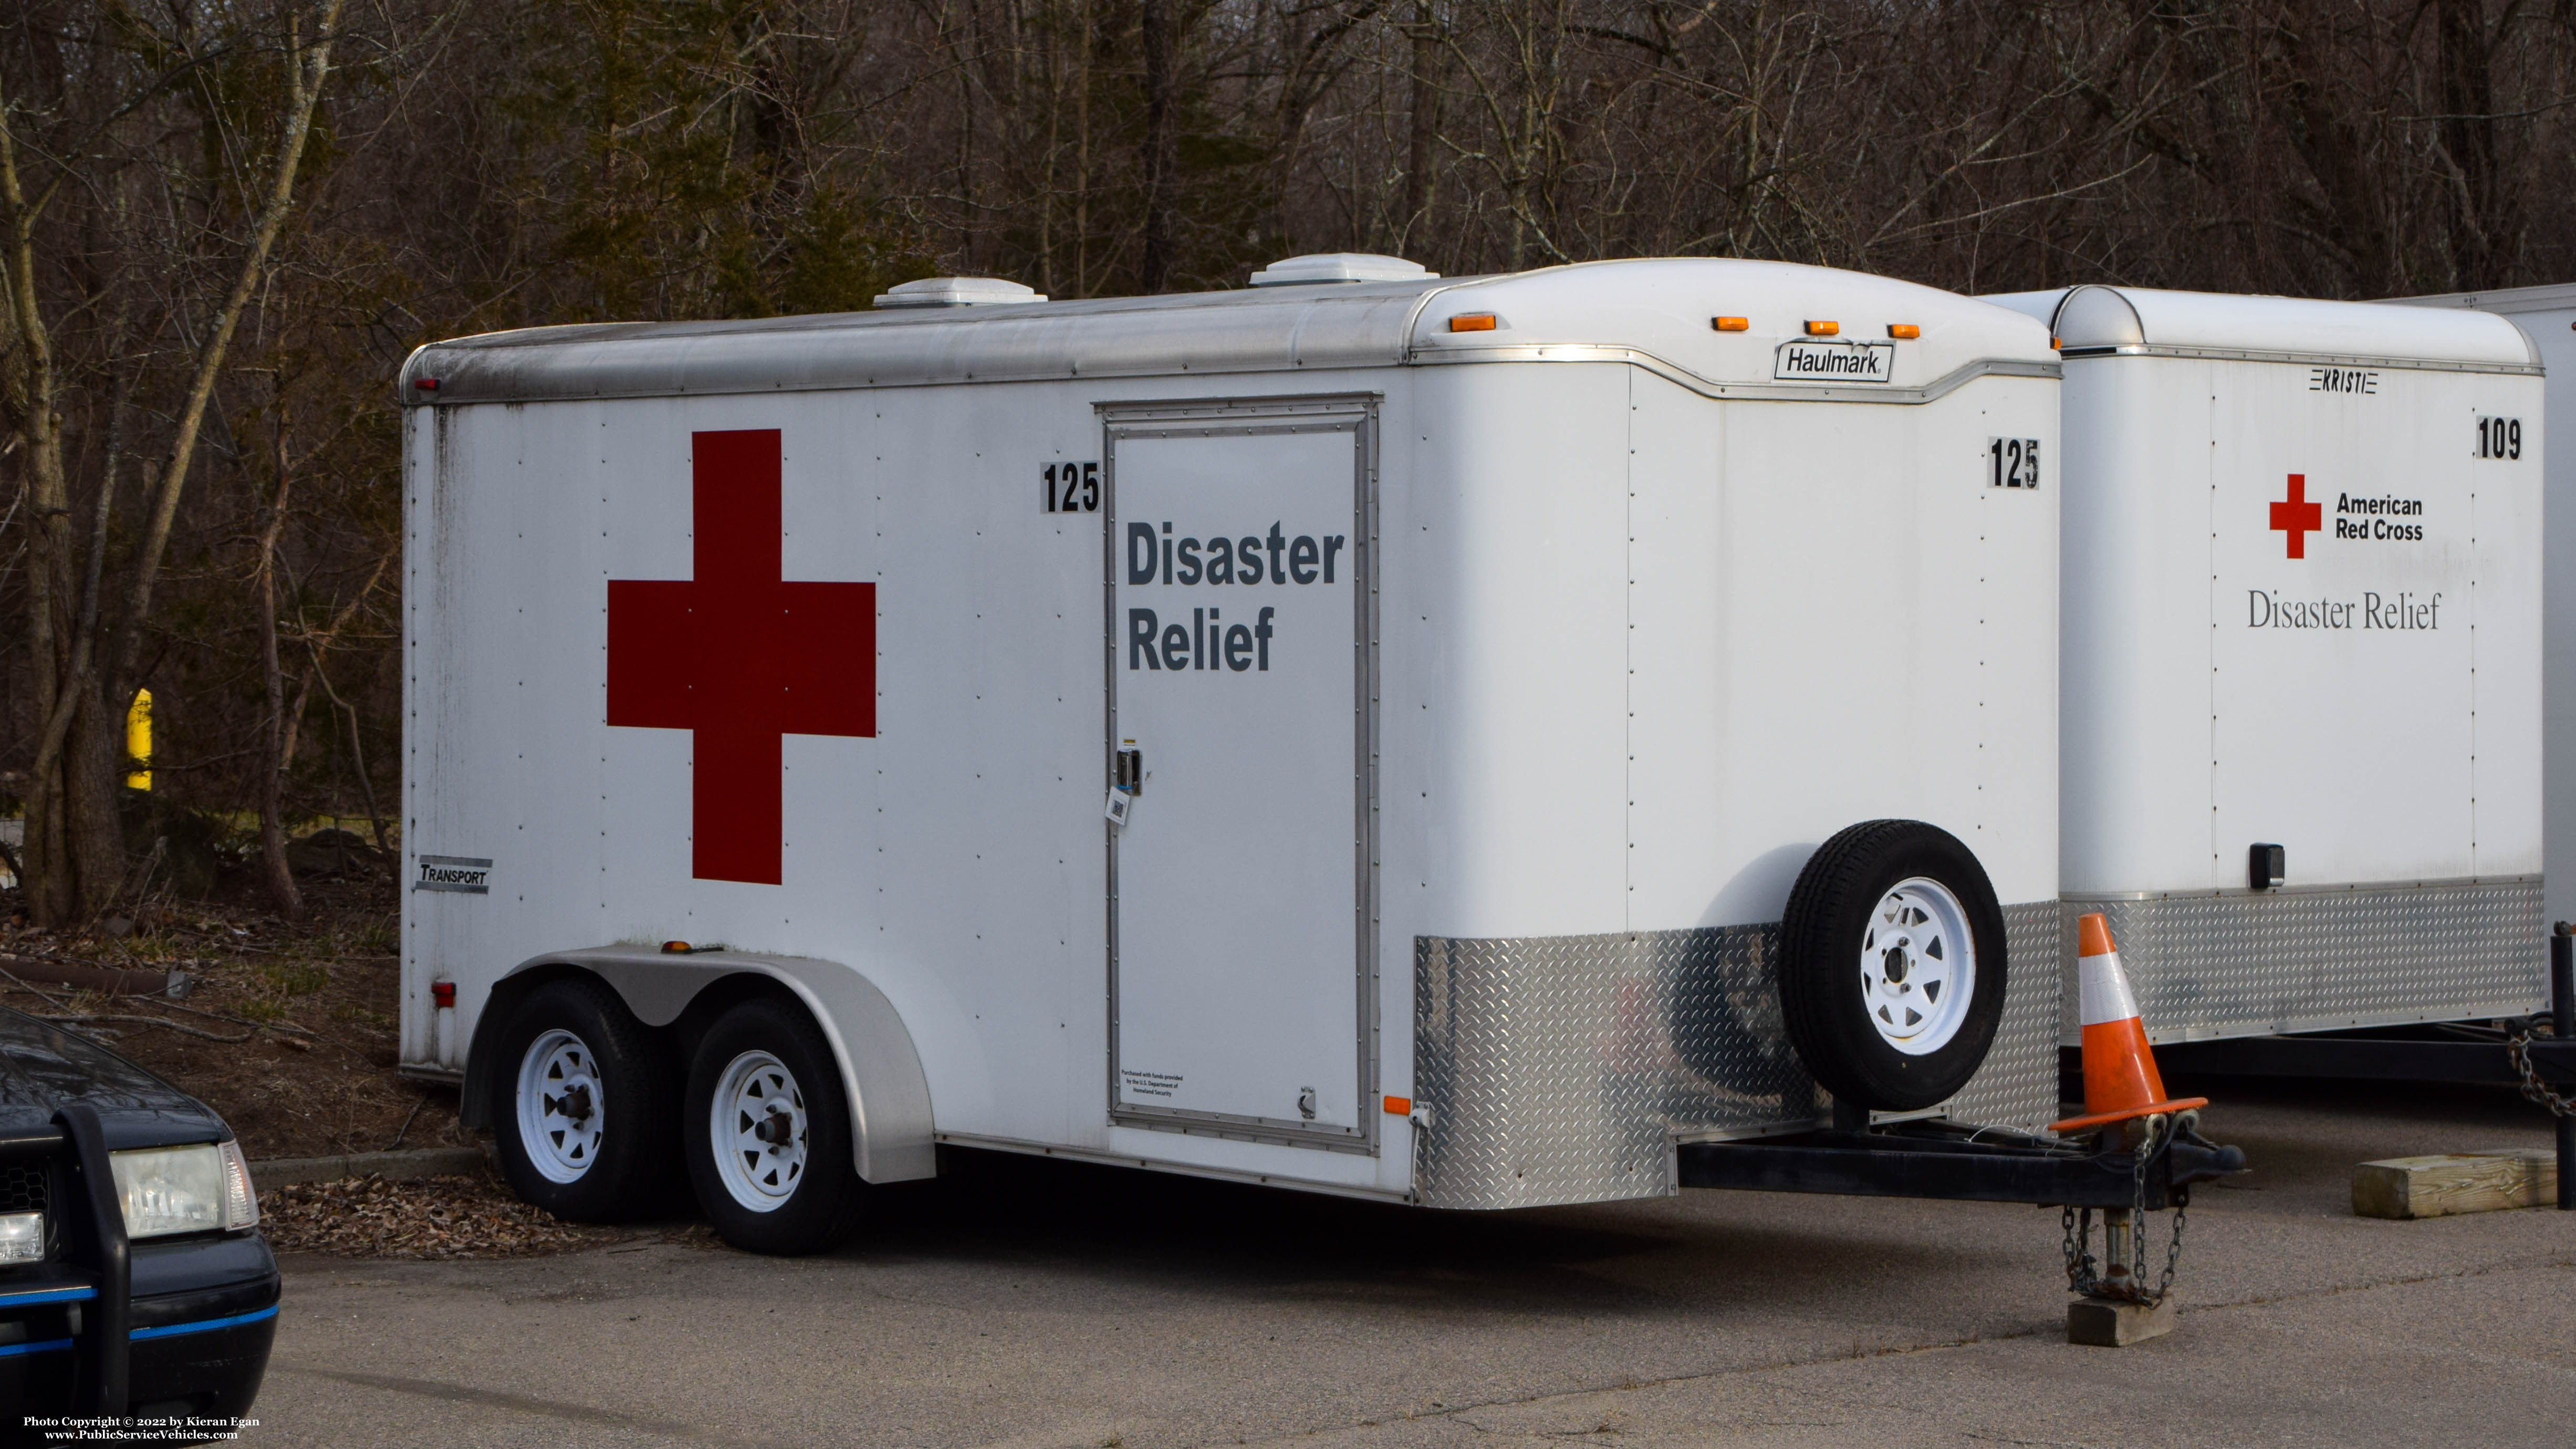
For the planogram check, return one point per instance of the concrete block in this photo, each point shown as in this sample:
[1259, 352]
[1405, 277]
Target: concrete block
[2116, 1322]
[2455, 1182]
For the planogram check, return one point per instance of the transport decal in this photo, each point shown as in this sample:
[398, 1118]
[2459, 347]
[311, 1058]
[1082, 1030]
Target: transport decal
[468, 874]
[740, 656]
[1835, 361]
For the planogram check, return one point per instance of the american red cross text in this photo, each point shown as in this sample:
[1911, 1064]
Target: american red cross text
[740, 656]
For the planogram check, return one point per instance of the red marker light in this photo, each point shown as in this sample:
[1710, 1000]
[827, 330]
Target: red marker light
[425, 384]
[442, 993]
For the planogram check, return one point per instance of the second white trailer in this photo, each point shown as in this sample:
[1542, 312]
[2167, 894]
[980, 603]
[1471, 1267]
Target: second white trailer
[2547, 315]
[2301, 731]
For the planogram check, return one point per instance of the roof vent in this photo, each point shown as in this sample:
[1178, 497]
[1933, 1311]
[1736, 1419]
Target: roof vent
[1339, 267]
[957, 292]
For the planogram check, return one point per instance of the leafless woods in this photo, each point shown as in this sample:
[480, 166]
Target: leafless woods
[225, 221]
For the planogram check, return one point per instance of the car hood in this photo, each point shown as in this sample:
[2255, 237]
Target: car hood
[44, 1068]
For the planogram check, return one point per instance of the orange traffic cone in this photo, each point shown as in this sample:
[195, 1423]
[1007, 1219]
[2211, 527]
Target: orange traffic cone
[2120, 1080]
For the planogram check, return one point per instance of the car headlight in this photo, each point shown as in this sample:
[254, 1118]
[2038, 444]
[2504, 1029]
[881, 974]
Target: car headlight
[22, 1237]
[193, 1189]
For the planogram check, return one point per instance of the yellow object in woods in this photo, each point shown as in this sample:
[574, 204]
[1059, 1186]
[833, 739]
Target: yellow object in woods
[138, 740]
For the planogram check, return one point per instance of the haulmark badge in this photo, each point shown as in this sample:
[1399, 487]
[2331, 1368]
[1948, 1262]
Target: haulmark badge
[1834, 361]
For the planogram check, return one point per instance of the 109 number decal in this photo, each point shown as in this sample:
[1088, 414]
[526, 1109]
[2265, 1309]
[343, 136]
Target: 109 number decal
[2012, 462]
[2499, 438]
[1072, 487]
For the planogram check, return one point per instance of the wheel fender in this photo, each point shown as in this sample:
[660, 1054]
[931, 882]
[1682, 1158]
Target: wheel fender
[890, 1117]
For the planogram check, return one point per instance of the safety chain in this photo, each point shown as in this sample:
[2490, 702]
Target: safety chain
[2518, 1047]
[2083, 1274]
[2078, 1249]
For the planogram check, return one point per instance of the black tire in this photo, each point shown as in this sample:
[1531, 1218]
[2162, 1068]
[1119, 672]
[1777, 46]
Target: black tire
[1825, 997]
[820, 1205]
[637, 1098]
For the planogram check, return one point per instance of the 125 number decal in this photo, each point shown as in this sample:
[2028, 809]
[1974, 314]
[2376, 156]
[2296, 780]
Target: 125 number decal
[2499, 438]
[1072, 487]
[2012, 462]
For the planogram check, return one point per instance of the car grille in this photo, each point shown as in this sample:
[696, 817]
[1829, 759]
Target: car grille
[22, 1186]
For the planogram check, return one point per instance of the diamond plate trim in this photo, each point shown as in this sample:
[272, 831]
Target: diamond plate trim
[2017, 1086]
[2245, 964]
[1562, 1069]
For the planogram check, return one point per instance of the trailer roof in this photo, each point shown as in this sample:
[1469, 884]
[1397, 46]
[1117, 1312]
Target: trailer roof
[2139, 320]
[1659, 314]
[2510, 301]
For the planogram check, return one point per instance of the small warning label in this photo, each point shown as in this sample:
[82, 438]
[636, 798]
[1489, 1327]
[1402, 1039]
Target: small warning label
[1149, 1084]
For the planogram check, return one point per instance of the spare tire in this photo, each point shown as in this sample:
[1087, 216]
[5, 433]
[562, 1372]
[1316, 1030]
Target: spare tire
[1892, 965]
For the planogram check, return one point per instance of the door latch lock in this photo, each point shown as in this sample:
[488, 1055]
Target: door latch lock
[1126, 778]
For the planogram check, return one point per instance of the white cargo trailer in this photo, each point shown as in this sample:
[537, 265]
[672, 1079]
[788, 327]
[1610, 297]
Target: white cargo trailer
[2301, 733]
[1360, 733]
[2547, 316]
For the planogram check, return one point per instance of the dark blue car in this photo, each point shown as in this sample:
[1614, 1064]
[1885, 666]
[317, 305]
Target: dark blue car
[133, 1279]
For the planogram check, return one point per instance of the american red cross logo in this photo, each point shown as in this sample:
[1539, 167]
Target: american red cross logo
[2297, 517]
[740, 656]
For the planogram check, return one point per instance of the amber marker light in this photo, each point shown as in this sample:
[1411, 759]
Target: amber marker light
[1473, 322]
[1399, 1106]
[1730, 324]
[2056, 344]
[1903, 331]
[675, 948]
[1824, 329]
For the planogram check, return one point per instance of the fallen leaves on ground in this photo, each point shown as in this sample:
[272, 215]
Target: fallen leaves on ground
[436, 1217]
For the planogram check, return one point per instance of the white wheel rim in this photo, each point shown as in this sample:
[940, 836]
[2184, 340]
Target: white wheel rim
[1918, 966]
[756, 1126]
[562, 1109]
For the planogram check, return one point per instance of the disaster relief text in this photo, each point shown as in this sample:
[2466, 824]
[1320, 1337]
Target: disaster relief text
[1272, 558]
[2403, 611]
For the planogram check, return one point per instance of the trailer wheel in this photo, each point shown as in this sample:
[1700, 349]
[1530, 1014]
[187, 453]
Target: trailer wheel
[1892, 965]
[584, 1125]
[769, 1133]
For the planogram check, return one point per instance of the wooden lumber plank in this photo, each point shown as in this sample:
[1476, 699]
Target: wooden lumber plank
[2456, 1182]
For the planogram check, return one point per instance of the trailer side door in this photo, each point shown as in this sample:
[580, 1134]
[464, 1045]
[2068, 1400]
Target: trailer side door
[1239, 668]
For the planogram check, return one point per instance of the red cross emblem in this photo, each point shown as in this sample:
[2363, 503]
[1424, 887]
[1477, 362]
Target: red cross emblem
[2297, 517]
[740, 656]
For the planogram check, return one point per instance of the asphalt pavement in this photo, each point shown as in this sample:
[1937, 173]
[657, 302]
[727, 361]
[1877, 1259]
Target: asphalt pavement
[1037, 1304]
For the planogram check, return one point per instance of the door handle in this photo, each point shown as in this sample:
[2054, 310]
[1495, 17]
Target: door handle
[1129, 772]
